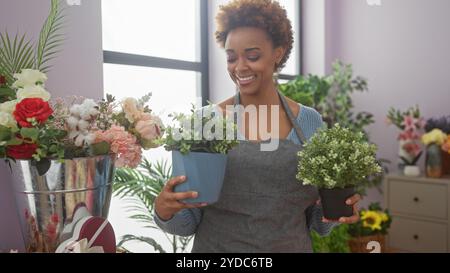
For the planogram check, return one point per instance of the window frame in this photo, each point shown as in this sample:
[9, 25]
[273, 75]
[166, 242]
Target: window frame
[202, 66]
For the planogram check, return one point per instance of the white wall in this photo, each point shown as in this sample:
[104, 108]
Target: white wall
[77, 71]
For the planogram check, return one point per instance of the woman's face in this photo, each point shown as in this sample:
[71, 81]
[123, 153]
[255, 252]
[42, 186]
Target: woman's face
[251, 59]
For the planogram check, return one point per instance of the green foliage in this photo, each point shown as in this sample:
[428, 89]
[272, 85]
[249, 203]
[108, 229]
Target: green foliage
[336, 158]
[314, 90]
[145, 184]
[19, 53]
[201, 131]
[6, 94]
[335, 242]
[15, 55]
[331, 95]
[50, 39]
[101, 148]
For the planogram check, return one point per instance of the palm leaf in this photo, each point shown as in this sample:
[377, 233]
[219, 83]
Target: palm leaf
[141, 187]
[148, 240]
[15, 55]
[50, 40]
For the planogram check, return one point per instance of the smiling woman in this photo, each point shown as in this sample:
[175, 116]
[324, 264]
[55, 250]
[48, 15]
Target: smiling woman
[262, 208]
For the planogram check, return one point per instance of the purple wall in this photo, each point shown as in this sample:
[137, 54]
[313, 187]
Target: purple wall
[78, 70]
[402, 47]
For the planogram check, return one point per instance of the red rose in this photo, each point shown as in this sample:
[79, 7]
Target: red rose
[23, 151]
[32, 108]
[2, 80]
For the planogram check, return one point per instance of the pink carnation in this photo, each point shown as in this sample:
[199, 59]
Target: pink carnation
[124, 144]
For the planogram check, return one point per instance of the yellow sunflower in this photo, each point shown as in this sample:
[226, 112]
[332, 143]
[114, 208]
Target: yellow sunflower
[384, 217]
[371, 219]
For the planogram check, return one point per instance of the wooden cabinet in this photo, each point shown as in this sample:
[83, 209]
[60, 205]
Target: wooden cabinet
[419, 207]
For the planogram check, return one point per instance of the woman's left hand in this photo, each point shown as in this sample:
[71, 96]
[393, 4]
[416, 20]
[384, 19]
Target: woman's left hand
[352, 201]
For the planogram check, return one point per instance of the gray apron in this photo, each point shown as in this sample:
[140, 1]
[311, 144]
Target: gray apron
[262, 204]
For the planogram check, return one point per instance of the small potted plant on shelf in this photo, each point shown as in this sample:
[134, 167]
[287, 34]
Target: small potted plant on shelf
[200, 143]
[372, 227]
[411, 125]
[335, 161]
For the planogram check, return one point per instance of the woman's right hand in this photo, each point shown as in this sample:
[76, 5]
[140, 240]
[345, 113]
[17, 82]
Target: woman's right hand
[168, 203]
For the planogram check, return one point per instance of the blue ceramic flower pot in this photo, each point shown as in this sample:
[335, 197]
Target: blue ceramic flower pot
[205, 173]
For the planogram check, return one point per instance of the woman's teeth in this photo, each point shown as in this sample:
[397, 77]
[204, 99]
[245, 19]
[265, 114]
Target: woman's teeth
[245, 80]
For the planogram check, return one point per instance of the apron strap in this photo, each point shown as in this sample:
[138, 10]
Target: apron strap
[298, 130]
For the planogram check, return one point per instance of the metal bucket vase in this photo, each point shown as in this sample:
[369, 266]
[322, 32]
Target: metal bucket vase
[46, 204]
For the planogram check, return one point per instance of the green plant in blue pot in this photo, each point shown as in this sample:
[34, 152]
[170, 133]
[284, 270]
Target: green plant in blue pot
[200, 143]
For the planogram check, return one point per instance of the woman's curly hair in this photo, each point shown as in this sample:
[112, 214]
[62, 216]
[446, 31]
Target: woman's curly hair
[268, 15]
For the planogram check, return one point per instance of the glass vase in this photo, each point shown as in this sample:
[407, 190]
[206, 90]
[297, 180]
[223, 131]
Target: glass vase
[433, 161]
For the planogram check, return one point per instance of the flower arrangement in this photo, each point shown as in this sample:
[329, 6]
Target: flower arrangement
[373, 221]
[437, 139]
[442, 123]
[34, 128]
[203, 130]
[373, 225]
[411, 124]
[438, 132]
[446, 145]
[337, 158]
[435, 136]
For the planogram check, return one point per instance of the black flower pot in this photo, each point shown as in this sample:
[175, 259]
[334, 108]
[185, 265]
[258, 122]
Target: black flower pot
[333, 203]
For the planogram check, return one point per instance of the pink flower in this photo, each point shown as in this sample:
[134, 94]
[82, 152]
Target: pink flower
[408, 135]
[412, 148]
[124, 144]
[408, 123]
[149, 129]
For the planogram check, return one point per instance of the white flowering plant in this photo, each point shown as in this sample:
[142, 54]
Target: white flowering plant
[205, 130]
[33, 127]
[337, 158]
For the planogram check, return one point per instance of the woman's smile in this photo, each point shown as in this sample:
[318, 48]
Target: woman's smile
[244, 81]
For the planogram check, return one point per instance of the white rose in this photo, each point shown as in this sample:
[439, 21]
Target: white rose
[8, 107]
[35, 91]
[7, 120]
[29, 77]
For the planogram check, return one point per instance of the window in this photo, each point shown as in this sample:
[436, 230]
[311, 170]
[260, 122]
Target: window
[293, 66]
[161, 46]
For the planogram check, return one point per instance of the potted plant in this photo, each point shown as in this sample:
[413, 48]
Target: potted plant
[331, 95]
[335, 161]
[372, 226]
[200, 143]
[411, 124]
